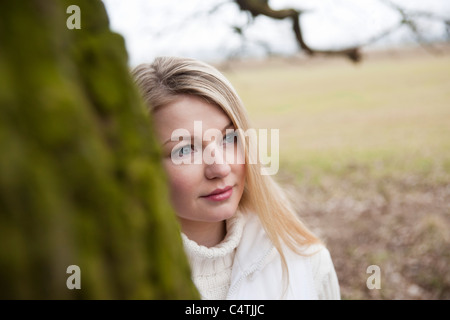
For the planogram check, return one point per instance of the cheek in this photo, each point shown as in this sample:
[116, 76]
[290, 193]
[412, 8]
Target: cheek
[239, 172]
[183, 181]
[234, 154]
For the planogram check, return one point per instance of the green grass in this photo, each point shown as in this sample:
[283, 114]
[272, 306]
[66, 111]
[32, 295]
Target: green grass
[389, 116]
[365, 152]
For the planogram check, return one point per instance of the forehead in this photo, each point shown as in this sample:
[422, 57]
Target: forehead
[184, 111]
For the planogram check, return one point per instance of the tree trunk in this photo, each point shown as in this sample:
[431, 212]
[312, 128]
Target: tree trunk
[81, 181]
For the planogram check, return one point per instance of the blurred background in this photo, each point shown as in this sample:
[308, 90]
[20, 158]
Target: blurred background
[360, 91]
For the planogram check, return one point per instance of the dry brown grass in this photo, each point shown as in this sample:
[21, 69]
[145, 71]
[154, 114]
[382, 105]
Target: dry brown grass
[401, 225]
[366, 153]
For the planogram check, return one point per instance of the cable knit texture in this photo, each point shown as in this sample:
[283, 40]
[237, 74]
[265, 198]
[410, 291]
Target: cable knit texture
[212, 267]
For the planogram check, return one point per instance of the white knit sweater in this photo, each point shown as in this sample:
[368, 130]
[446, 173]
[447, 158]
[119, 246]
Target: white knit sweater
[211, 267]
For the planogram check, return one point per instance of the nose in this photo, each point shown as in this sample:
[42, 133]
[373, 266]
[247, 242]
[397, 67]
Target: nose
[219, 168]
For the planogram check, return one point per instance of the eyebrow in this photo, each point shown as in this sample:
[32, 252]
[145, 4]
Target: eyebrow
[229, 125]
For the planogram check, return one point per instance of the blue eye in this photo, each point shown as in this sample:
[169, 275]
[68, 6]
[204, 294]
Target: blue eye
[183, 151]
[229, 138]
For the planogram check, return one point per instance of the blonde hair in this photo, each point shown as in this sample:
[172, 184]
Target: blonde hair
[164, 80]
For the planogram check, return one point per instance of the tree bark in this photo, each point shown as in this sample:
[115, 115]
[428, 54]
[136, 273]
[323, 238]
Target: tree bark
[80, 176]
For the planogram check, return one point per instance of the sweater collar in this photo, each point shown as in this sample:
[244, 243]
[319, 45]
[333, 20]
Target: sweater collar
[204, 260]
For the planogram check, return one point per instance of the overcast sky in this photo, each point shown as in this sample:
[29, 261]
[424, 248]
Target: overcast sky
[184, 27]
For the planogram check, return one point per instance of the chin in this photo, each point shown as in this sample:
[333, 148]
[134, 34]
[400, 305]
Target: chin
[222, 213]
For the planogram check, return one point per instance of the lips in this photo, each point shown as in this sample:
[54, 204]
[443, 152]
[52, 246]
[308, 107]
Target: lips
[220, 194]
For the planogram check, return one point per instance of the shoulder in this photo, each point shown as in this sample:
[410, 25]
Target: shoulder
[316, 256]
[324, 273]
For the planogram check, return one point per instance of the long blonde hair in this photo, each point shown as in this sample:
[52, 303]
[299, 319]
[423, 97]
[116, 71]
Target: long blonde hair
[164, 80]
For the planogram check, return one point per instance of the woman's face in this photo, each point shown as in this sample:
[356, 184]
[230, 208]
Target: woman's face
[200, 191]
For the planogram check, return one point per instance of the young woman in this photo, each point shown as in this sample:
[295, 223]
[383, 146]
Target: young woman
[241, 235]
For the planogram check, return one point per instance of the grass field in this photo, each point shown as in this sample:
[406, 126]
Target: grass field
[365, 151]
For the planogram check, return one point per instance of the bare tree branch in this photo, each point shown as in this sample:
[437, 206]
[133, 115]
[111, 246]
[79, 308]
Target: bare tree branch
[408, 18]
[261, 7]
[255, 8]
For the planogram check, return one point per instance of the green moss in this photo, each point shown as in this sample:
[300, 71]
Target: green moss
[80, 176]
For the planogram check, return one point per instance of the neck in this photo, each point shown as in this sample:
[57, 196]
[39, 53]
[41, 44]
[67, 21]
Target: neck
[207, 234]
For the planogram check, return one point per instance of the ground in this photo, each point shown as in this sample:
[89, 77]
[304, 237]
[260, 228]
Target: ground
[403, 228]
[365, 153]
